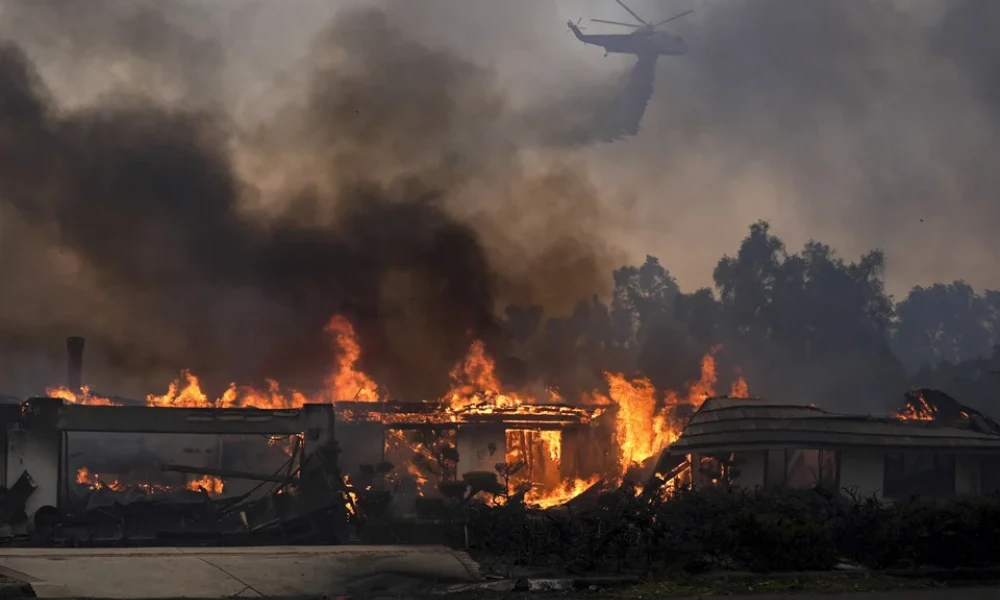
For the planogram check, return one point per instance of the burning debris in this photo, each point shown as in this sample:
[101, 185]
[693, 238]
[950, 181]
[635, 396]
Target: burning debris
[421, 451]
[935, 406]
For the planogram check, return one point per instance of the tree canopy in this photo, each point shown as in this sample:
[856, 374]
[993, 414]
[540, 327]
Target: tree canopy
[808, 326]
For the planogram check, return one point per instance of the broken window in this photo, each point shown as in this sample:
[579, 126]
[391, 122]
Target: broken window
[720, 468]
[802, 469]
[919, 473]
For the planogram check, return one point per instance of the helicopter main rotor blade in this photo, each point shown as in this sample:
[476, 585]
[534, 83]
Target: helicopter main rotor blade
[632, 25]
[632, 12]
[665, 21]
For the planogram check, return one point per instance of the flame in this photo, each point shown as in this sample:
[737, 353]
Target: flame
[536, 459]
[643, 428]
[288, 444]
[740, 389]
[212, 485]
[94, 481]
[640, 429]
[646, 419]
[186, 395]
[346, 383]
[83, 397]
[921, 410]
[273, 397]
[415, 458]
[561, 495]
[475, 385]
[352, 497]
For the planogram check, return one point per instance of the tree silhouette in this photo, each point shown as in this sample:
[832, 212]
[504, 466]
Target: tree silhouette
[945, 323]
[803, 327]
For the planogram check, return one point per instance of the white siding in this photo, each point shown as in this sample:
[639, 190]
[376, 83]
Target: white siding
[37, 453]
[475, 452]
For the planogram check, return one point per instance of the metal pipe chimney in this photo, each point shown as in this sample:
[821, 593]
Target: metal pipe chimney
[74, 363]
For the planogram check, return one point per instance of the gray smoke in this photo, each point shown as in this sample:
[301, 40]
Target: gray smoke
[382, 189]
[197, 185]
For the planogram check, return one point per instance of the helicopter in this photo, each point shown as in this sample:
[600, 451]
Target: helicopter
[647, 41]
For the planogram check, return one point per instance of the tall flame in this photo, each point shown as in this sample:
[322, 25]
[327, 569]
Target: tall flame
[644, 427]
[647, 419]
[345, 383]
[474, 383]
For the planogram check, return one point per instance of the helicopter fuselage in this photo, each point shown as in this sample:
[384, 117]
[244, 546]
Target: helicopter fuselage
[642, 43]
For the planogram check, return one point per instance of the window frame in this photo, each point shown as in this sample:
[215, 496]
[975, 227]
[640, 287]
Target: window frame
[785, 452]
[893, 493]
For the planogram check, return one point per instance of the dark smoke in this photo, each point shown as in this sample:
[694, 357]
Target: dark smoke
[379, 154]
[393, 186]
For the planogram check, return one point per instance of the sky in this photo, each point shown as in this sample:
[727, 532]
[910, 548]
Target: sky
[861, 124]
[842, 122]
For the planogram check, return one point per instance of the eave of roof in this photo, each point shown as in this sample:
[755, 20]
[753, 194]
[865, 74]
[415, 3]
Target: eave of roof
[730, 423]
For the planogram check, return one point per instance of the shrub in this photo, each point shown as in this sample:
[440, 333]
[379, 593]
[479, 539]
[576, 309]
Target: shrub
[716, 528]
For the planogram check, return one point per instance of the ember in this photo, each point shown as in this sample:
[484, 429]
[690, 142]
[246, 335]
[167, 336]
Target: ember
[94, 482]
[213, 486]
[918, 409]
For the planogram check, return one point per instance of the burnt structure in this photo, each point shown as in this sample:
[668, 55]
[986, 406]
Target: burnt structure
[35, 435]
[331, 444]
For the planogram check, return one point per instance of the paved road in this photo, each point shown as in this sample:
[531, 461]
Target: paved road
[270, 572]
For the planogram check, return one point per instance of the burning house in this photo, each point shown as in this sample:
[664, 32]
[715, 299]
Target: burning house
[263, 457]
[933, 447]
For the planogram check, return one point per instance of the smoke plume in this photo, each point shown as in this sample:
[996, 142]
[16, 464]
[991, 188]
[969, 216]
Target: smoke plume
[196, 186]
[383, 189]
